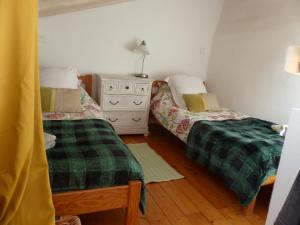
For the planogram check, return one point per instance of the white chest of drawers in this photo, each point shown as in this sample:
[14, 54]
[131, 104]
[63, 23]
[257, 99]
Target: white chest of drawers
[125, 102]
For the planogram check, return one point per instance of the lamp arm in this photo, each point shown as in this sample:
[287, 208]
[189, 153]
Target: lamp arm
[144, 57]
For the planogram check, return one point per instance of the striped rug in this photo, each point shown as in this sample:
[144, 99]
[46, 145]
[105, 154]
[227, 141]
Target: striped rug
[155, 168]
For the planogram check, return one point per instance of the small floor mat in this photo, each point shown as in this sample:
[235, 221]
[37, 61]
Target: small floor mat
[155, 168]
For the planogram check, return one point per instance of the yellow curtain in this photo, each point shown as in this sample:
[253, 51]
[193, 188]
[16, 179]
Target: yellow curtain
[25, 196]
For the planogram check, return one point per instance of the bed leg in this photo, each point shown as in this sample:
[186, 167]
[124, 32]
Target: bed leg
[133, 203]
[248, 211]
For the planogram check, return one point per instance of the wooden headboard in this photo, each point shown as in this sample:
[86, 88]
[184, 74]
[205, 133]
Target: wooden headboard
[158, 83]
[155, 86]
[87, 81]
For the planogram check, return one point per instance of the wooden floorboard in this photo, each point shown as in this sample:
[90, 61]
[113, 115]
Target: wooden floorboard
[199, 199]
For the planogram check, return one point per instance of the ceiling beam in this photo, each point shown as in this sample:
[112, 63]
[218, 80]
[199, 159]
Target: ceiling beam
[55, 7]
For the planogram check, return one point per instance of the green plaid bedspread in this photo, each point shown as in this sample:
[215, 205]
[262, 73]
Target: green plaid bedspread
[243, 152]
[89, 154]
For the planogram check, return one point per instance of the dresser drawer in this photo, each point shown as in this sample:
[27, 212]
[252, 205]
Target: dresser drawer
[142, 89]
[110, 87]
[125, 87]
[118, 87]
[126, 119]
[124, 102]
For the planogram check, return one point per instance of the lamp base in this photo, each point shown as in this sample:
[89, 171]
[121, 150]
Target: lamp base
[141, 75]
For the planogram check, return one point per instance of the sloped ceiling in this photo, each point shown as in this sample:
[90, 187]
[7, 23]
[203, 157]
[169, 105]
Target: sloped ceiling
[54, 7]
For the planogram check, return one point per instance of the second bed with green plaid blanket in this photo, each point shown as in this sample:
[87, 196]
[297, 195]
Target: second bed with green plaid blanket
[243, 152]
[89, 154]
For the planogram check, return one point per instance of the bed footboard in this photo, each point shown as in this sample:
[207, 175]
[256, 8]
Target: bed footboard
[250, 208]
[101, 199]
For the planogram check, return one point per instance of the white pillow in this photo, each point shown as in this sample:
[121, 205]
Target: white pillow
[59, 78]
[183, 84]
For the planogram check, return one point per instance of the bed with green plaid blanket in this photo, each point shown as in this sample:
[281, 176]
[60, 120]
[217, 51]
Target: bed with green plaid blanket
[89, 154]
[243, 152]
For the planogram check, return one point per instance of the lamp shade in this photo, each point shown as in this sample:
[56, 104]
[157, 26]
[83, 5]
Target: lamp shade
[142, 48]
[293, 60]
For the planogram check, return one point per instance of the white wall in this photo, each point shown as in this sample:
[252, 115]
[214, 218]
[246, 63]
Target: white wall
[96, 40]
[246, 68]
[288, 168]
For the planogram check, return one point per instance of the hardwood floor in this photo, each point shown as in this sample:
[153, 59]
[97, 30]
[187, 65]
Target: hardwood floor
[198, 199]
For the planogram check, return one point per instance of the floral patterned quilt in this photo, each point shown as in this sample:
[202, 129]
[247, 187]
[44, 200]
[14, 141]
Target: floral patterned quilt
[91, 110]
[180, 121]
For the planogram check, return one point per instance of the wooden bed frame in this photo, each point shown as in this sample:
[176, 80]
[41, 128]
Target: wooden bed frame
[250, 208]
[269, 181]
[100, 199]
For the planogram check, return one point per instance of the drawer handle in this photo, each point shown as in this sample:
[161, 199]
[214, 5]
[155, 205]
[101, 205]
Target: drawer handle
[137, 103]
[136, 120]
[114, 103]
[127, 87]
[113, 120]
[111, 87]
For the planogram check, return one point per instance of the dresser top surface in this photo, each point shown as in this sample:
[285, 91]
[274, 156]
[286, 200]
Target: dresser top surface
[125, 78]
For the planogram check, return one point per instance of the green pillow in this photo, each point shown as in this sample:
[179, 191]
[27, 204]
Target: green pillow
[194, 102]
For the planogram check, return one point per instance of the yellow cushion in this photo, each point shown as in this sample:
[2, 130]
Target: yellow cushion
[211, 102]
[194, 102]
[68, 100]
[61, 100]
[48, 99]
